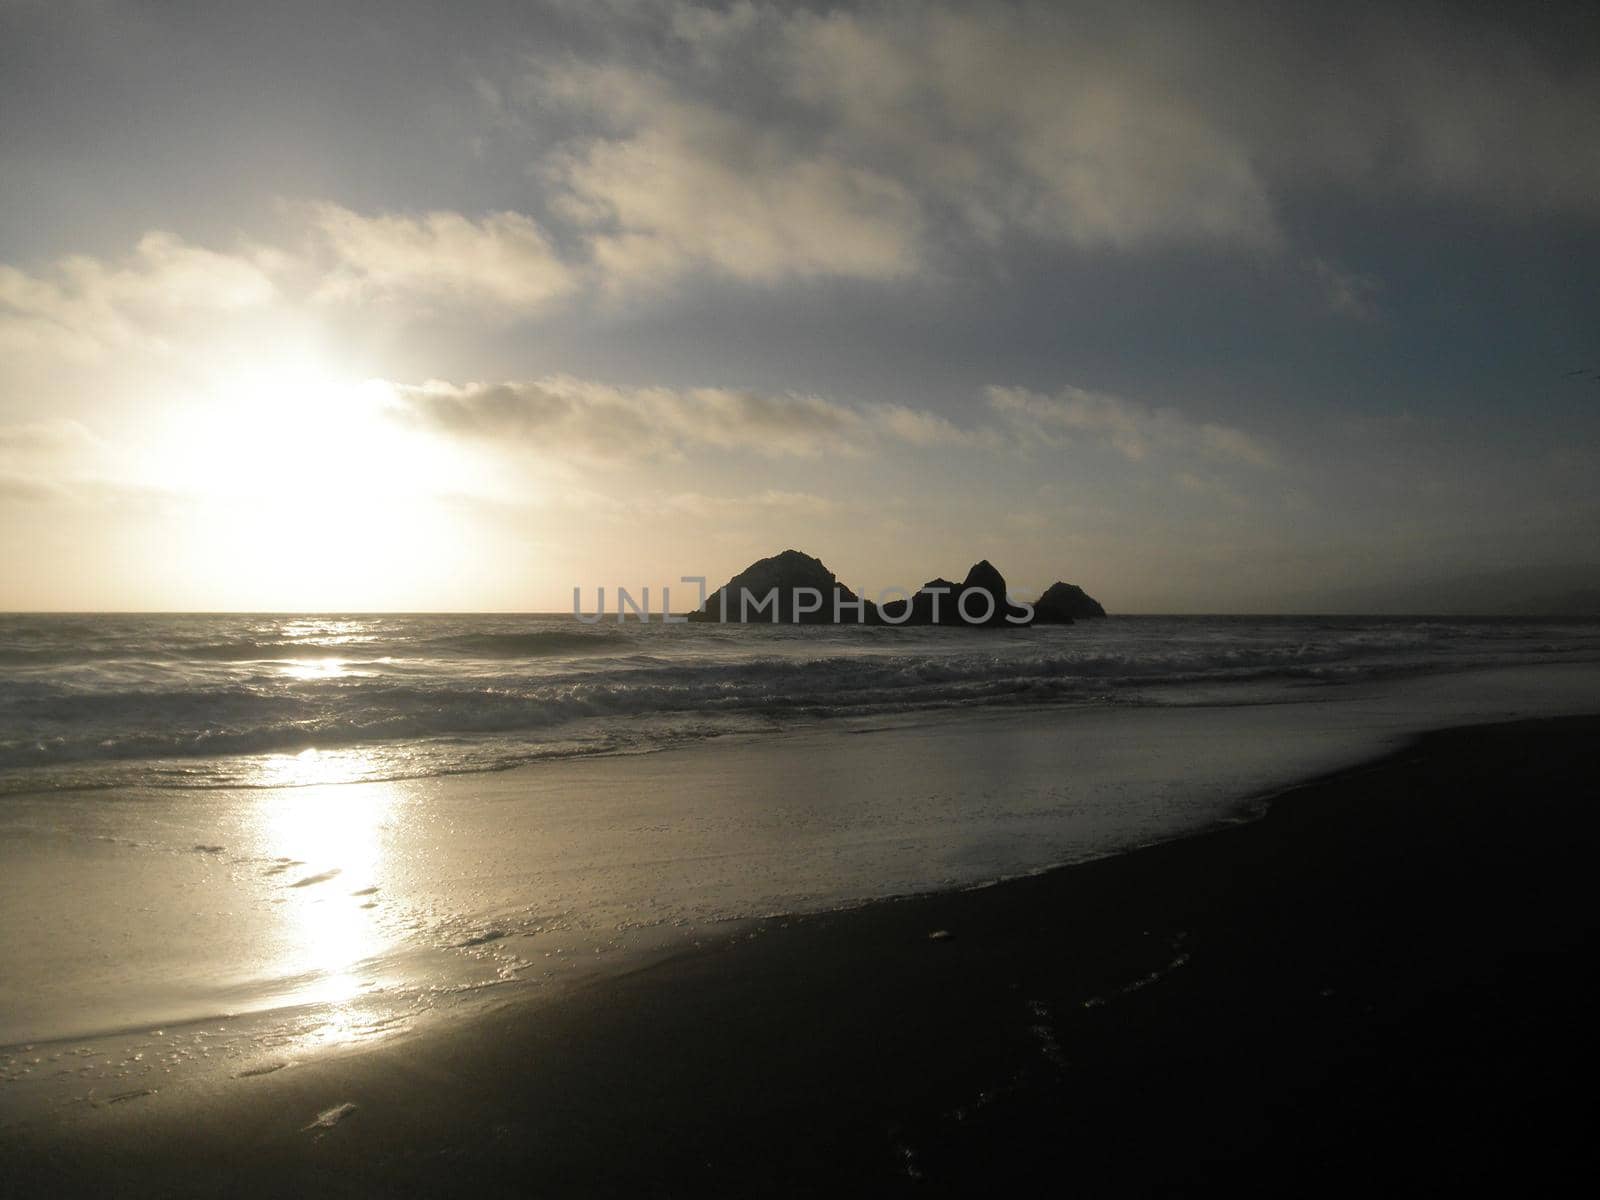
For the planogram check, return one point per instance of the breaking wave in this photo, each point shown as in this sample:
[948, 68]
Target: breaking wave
[435, 694]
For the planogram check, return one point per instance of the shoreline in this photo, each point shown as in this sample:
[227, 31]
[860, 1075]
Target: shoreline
[1227, 1004]
[590, 866]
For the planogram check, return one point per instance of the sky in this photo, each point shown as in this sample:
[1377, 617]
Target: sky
[457, 306]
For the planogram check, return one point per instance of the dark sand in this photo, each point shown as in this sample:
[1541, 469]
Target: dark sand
[1381, 986]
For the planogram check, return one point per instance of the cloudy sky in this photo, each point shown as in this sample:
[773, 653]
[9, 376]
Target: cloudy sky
[410, 305]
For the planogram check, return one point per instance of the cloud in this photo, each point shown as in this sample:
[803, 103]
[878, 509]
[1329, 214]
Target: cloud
[110, 496]
[168, 292]
[17, 488]
[919, 427]
[768, 142]
[1118, 126]
[1210, 488]
[1226, 442]
[502, 260]
[767, 503]
[869, 126]
[878, 122]
[686, 186]
[1133, 429]
[44, 438]
[1345, 292]
[882, 141]
[599, 422]
[1406, 102]
[37, 457]
[1021, 118]
[82, 305]
[63, 462]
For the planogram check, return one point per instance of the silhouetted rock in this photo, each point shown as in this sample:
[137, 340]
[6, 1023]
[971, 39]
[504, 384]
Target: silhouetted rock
[932, 605]
[795, 588]
[1064, 603]
[786, 574]
[985, 578]
[939, 602]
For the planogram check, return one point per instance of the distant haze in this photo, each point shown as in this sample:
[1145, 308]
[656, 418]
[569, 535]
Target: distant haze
[1205, 307]
[1536, 591]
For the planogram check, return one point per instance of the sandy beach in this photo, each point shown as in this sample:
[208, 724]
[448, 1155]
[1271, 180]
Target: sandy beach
[725, 598]
[1370, 987]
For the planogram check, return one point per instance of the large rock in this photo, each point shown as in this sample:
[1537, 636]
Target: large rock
[785, 573]
[933, 604]
[939, 602]
[985, 578]
[1064, 603]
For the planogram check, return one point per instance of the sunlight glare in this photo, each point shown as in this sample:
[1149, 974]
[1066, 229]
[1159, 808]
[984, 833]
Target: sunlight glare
[307, 486]
[329, 842]
[315, 668]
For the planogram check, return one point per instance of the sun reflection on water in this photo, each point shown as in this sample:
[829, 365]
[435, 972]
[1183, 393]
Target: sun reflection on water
[315, 768]
[315, 668]
[327, 846]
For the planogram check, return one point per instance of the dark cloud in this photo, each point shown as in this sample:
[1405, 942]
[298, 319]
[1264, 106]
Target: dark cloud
[765, 140]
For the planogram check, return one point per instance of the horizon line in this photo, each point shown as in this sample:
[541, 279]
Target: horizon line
[618, 619]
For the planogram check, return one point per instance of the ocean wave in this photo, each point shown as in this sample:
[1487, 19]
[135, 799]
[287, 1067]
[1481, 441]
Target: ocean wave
[207, 688]
[245, 721]
[530, 645]
[245, 650]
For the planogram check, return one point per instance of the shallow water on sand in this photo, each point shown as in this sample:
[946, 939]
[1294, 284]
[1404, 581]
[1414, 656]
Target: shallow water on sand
[154, 934]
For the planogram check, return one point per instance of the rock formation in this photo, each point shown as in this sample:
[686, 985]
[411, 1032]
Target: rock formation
[795, 588]
[748, 595]
[984, 578]
[1064, 603]
[932, 604]
[939, 602]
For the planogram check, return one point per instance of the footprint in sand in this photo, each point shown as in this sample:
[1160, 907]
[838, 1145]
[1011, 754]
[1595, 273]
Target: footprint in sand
[121, 1097]
[264, 1069]
[311, 879]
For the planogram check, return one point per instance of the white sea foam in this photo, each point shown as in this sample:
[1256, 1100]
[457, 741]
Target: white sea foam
[219, 701]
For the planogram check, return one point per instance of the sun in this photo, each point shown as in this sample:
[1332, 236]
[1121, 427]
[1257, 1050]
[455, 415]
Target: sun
[301, 485]
[299, 433]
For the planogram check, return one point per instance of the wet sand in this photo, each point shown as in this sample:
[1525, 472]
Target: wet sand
[1377, 986]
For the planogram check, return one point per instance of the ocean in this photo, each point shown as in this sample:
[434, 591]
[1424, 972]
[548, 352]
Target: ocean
[268, 701]
[228, 843]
